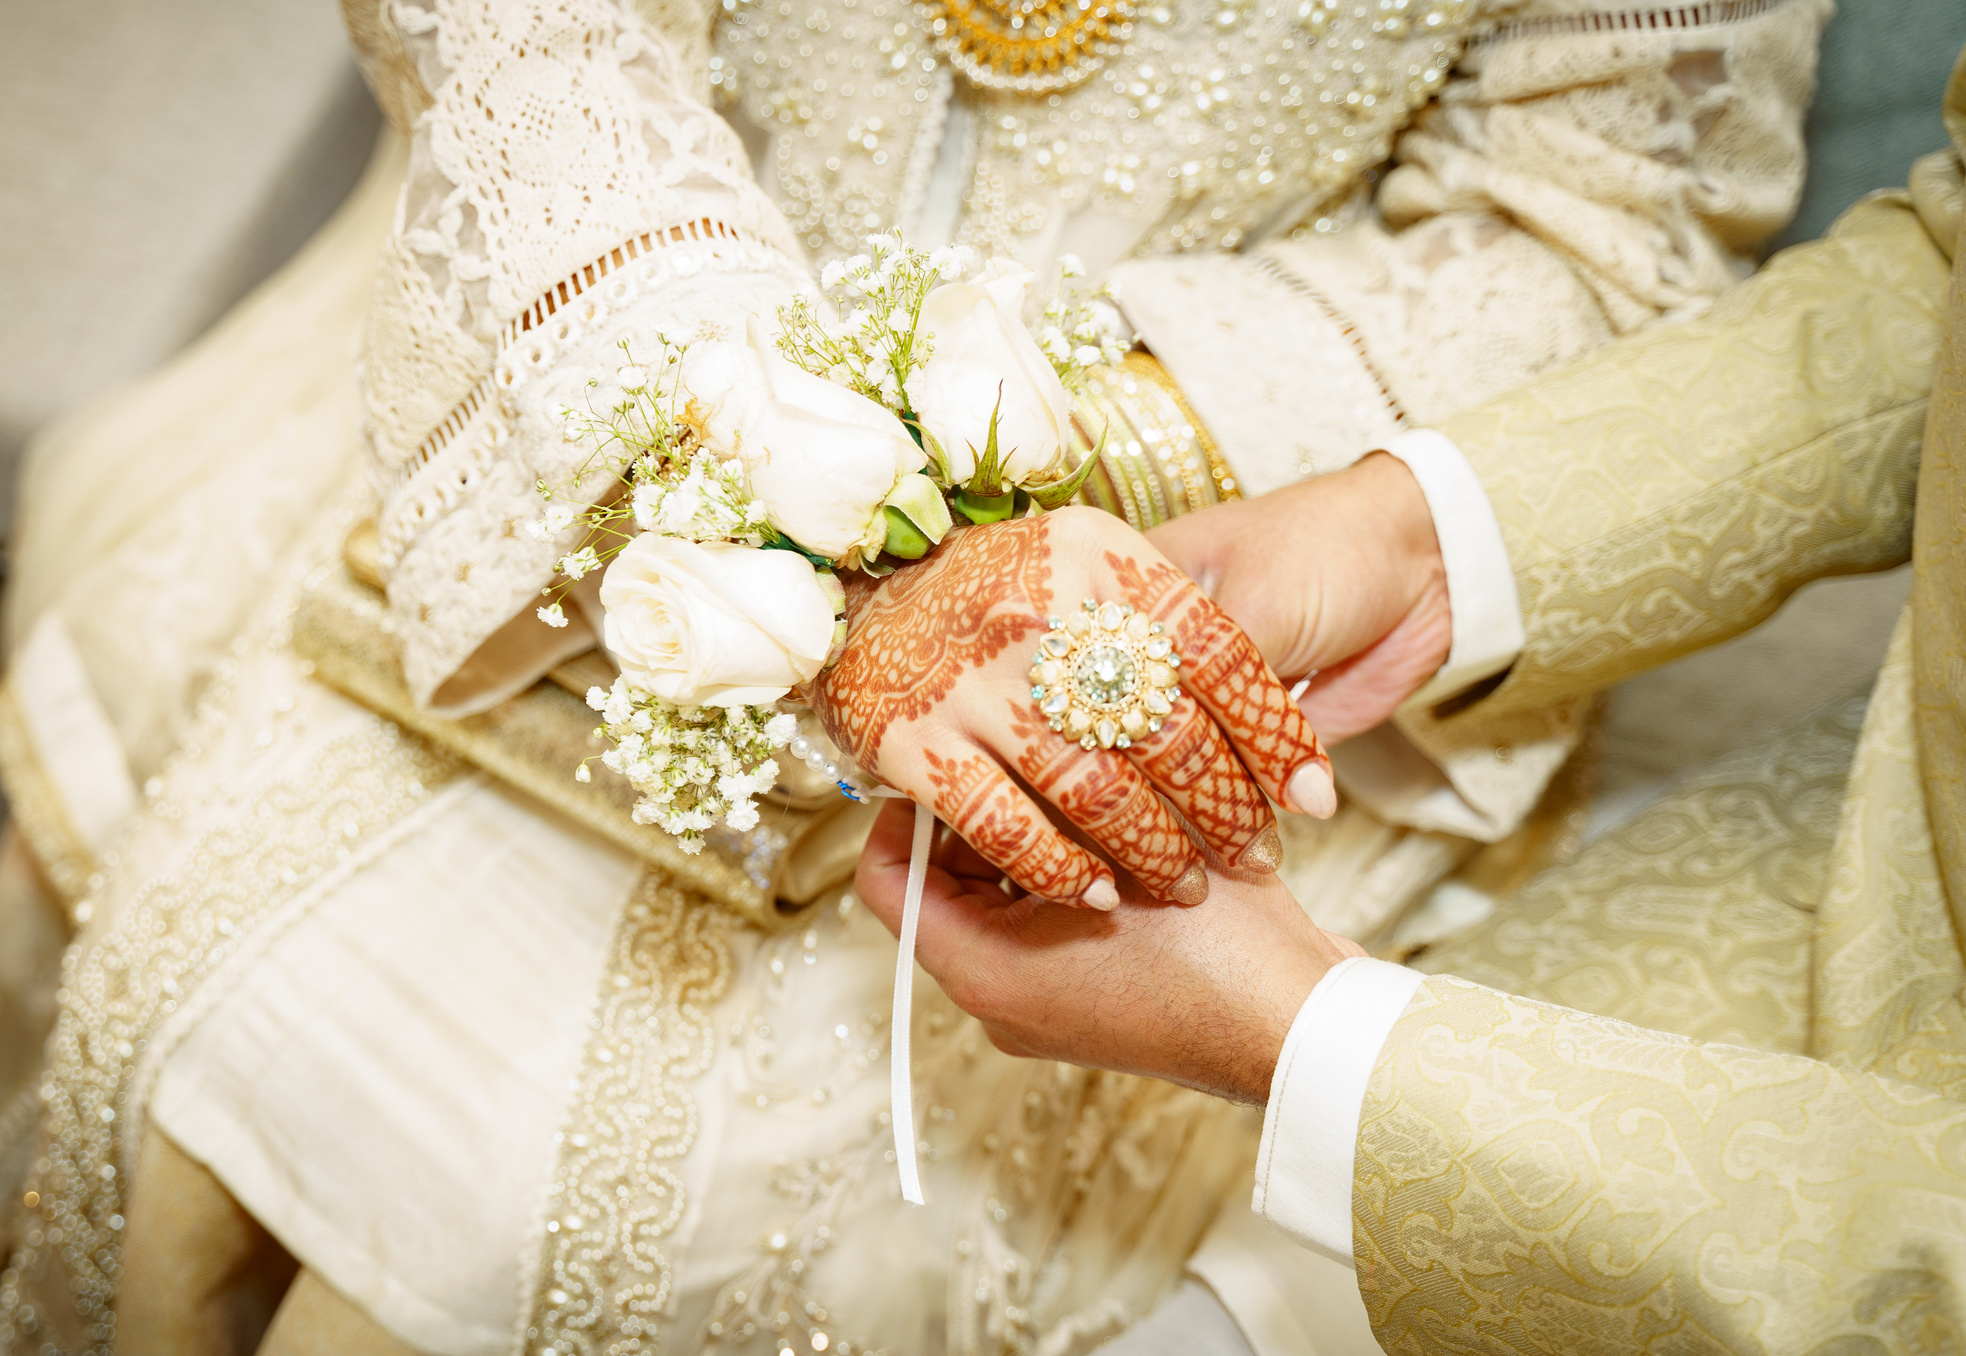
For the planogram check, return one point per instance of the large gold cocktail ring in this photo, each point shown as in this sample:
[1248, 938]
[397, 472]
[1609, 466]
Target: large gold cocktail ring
[1105, 676]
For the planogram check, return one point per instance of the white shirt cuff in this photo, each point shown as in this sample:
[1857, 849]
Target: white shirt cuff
[1488, 632]
[1310, 1131]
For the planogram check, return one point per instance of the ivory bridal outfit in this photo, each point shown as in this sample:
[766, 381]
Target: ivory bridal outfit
[504, 1073]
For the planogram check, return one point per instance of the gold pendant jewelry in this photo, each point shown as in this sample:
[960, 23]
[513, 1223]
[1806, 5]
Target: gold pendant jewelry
[1028, 46]
[1105, 675]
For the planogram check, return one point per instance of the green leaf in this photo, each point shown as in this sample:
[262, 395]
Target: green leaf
[988, 479]
[778, 541]
[1059, 492]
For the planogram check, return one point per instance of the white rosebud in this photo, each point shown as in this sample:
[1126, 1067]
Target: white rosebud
[553, 615]
[983, 354]
[821, 458]
[714, 624]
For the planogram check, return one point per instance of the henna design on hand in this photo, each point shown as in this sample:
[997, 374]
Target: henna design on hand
[1221, 670]
[978, 800]
[921, 628]
[1105, 795]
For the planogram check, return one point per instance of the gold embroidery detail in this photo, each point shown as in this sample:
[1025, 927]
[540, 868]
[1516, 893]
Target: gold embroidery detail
[1029, 46]
[602, 1280]
[176, 932]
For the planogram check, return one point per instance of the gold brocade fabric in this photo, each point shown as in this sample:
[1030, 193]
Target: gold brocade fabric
[1540, 1179]
[1672, 490]
[1939, 642]
[1695, 917]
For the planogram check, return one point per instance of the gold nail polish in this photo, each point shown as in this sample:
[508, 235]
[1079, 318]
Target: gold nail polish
[1192, 888]
[1263, 855]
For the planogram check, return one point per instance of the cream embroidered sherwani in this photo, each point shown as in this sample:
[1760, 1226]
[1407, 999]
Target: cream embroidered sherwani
[1779, 1164]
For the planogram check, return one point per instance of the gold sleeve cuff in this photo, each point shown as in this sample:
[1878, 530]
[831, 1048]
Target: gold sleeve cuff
[1158, 461]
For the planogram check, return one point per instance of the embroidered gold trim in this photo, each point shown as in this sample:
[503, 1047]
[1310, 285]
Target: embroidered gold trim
[1637, 20]
[706, 230]
[178, 929]
[1304, 288]
[602, 1280]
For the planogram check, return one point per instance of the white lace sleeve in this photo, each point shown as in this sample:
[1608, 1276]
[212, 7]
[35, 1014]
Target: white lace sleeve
[565, 193]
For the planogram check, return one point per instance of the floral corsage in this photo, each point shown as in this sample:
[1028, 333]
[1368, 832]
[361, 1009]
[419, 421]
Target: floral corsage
[743, 477]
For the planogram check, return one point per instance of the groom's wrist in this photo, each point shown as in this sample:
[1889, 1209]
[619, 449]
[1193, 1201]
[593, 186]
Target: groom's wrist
[1412, 545]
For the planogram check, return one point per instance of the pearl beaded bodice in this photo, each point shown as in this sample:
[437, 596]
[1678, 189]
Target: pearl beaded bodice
[1218, 123]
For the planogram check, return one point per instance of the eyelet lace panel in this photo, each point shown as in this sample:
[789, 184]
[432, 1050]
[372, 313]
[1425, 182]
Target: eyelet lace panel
[431, 480]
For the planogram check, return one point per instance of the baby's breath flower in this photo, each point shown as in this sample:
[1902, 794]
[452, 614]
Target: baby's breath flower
[581, 563]
[553, 615]
[557, 519]
[691, 767]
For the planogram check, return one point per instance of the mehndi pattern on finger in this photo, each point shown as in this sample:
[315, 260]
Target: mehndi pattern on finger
[1224, 673]
[1098, 791]
[979, 800]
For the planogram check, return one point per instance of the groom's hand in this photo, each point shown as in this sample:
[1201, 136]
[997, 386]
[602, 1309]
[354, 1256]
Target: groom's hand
[1338, 576]
[1202, 997]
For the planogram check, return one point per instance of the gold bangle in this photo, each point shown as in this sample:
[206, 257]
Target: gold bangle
[1144, 364]
[1157, 460]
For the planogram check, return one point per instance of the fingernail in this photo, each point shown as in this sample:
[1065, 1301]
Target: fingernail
[1192, 888]
[1310, 791]
[1265, 854]
[1104, 895]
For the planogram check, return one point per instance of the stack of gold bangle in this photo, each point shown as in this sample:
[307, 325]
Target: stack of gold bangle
[1158, 461]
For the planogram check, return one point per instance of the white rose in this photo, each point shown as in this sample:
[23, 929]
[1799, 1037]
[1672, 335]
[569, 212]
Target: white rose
[821, 459]
[716, 624]
[981, 346]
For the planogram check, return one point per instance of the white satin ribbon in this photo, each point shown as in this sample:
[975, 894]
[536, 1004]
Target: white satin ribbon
[901, 1088]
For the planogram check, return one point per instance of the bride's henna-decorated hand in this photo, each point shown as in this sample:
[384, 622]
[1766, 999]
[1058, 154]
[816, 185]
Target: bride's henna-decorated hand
[933, 696]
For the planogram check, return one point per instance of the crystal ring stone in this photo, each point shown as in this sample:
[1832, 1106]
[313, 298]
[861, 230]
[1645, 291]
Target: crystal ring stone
[1105, 675]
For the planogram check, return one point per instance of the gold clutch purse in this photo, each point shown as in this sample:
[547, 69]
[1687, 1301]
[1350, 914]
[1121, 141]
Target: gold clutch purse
[808, 836]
